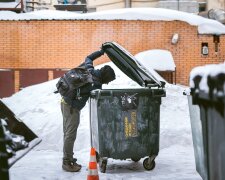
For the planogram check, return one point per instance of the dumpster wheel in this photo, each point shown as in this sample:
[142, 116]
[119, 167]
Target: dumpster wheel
[149, 165]
[103, 164]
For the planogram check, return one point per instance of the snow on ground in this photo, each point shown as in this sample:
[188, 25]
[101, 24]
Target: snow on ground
[39, 108]
[205, 26]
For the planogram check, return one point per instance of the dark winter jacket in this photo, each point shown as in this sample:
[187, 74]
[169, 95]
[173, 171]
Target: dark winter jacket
[85, 90]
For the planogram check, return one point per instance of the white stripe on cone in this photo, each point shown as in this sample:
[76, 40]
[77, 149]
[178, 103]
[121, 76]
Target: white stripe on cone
[92, 172]
[92, 159]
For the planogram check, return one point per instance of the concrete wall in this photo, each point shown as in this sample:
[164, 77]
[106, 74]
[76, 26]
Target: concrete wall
[181, 5]
[191, 6]
[115, 4]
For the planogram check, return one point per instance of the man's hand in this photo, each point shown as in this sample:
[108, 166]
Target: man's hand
[102, 51]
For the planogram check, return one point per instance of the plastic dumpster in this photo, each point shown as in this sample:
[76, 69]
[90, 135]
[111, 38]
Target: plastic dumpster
[208, 92]
[198, 139]
[125, 123]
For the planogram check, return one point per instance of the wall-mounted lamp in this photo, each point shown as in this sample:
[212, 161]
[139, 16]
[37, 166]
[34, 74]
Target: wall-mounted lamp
[175, 38]
[205, 49]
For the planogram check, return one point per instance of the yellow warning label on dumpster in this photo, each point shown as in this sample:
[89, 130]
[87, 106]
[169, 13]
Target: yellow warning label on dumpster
[130, 123]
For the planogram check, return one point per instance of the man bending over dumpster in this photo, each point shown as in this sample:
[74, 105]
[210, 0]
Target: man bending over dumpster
[71, 107]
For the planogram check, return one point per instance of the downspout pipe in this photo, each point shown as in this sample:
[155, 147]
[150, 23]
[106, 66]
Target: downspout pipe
[127, 3]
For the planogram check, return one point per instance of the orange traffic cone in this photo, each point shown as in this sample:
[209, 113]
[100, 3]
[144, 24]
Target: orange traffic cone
[92, 169]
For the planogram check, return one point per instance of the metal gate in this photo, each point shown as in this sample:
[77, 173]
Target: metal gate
[30, 77]
[7, 86]
[58, 72]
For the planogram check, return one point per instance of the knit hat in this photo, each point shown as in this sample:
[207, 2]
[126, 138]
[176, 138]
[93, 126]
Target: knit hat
[107, 74]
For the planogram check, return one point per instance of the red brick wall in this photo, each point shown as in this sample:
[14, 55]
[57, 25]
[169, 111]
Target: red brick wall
[64, 44]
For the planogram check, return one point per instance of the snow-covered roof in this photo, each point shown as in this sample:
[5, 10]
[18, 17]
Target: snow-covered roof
[205, 26]
[160, 60]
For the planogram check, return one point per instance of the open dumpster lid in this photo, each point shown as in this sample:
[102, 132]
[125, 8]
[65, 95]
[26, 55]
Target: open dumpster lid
[127, 63]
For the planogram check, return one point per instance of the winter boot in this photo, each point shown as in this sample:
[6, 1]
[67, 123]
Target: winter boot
[71, 166]
[75, 162]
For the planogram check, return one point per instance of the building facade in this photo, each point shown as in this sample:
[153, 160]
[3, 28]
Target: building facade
[191, 6]
[35, 51]
[215, 4]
